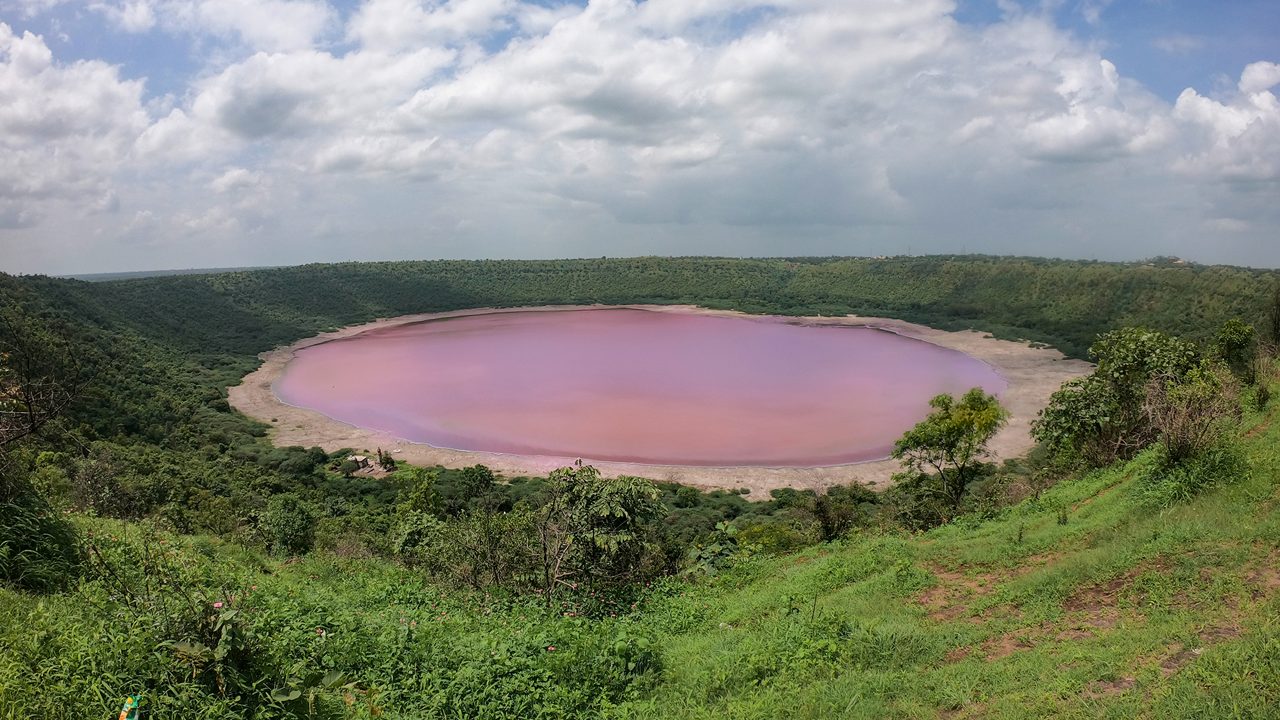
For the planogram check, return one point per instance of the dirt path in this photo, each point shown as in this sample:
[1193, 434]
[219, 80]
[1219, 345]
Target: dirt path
[1033, 375]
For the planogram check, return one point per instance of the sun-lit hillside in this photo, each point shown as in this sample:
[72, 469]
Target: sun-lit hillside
[1119, 611]
[154, 542]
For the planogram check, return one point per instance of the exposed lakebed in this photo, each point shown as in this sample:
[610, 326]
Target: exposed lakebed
[633, 385]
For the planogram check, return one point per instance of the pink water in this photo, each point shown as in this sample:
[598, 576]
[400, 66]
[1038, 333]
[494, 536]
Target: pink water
[635, 386]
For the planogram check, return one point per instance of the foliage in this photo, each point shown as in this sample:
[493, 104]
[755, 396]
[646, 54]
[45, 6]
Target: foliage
[1192, 413]
[1272, 318]
[951, 443]
[181, 605]
[39, 549]
[591, 529]
[1164, 481]
[1100, 417]
[288, 525]
[715, 554]
[41, 373]
[842, 508]
[1236, 346]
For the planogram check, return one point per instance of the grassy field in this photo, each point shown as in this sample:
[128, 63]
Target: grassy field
[1121, 611]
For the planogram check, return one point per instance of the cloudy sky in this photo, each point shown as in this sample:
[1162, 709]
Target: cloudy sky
[144, 134]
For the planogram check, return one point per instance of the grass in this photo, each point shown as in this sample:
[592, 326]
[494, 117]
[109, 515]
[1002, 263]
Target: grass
[1124, 611]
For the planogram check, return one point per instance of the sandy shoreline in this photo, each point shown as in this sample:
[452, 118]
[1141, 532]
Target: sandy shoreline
[1033, 375]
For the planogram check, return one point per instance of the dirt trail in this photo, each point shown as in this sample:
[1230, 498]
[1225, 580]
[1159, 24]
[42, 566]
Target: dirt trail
[1033, 375]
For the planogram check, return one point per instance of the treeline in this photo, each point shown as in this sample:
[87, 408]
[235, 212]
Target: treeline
[1063, 303]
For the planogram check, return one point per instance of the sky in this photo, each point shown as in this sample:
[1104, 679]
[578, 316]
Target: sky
[154, 134]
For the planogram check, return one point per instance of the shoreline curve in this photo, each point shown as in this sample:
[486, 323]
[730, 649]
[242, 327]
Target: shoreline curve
[1032, 374]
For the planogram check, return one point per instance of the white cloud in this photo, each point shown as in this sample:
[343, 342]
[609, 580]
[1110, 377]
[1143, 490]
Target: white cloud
[1240, 135]
[390, 25]
[1092, 10]
[236, 179]
[132, 16]
[686, 125]
[1259, 76]
[64, 128]
[269, 25]
[29, 8]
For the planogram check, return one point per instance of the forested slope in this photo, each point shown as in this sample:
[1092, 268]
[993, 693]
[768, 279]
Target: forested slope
[1063, 303]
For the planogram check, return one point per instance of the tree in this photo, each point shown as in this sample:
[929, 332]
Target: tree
[477, 480]
[39, 549]
[592, 529]
[489, 548]
[1273, 318]
[952, 441]
[423, 498]
[842, 508]
[1236, 346]
[418, 517]
[289, 525]
[1100, 417]
[40, 375]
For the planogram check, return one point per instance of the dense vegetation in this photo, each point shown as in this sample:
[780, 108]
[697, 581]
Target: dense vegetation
[1063, 303]
[153, 541]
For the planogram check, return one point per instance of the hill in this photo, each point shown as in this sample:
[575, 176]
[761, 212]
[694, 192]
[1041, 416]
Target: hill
[1116, 612]
[154, 542]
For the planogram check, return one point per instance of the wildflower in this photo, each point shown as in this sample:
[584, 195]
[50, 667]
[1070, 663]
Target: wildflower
[217, 605]
[551, 648]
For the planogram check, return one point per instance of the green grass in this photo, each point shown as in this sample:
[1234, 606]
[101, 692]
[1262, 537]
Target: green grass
[1122, 612]
[1125, 611]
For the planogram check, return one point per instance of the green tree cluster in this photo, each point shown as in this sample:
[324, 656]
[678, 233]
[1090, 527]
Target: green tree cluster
[945, 453]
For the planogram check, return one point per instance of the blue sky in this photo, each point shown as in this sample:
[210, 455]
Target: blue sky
[141, 134]
[1168, 45]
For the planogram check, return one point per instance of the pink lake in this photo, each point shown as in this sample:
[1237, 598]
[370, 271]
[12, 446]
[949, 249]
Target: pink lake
[634, 385]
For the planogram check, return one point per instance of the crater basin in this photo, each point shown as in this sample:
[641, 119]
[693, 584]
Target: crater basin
[634, 385]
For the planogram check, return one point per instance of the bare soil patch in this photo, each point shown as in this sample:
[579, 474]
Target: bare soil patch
[1033, 374]
[1104, 688]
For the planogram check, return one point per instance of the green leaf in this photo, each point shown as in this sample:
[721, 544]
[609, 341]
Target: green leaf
[284, 695]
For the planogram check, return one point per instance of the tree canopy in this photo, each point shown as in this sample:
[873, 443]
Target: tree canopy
[952, 440]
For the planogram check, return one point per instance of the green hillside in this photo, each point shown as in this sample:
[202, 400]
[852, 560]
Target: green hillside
[1063, 303]
[1120, 612]
[153, 542]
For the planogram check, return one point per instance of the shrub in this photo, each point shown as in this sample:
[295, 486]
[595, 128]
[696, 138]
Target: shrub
[39, 550]
[1100, 418]
[774, 537]
[1191, 413]
[288, 525]
[842, 508]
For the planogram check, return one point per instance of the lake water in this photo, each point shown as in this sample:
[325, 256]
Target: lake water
[635, 386]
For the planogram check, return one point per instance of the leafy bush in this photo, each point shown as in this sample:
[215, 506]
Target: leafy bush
[1100, 418]
[39, 550]
[288, 525]
[774, 537]
[1192, 413]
